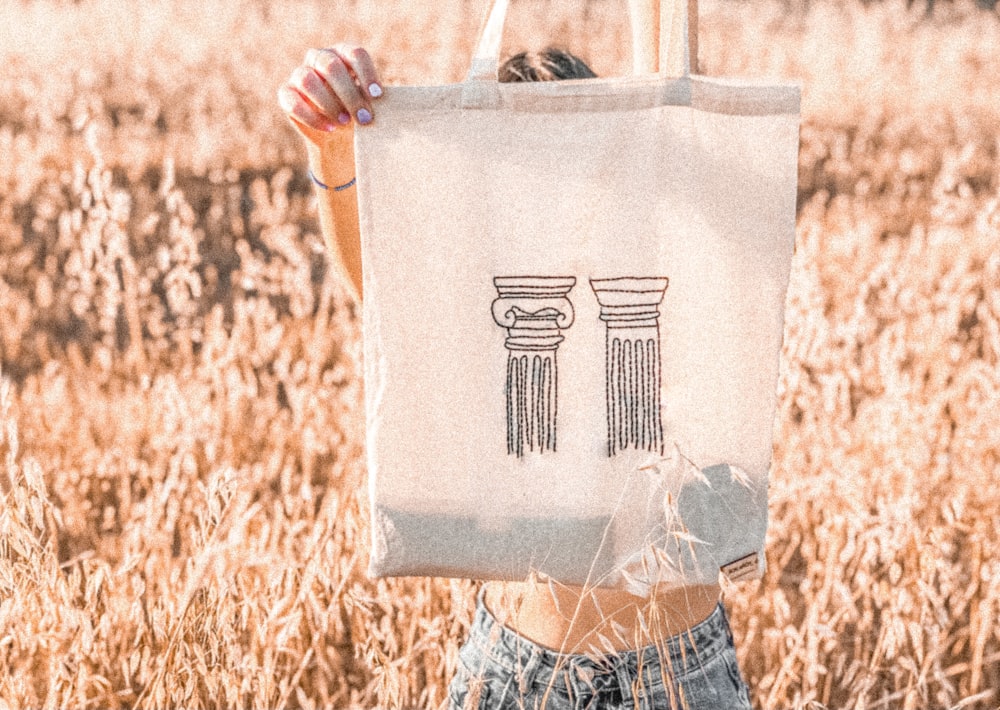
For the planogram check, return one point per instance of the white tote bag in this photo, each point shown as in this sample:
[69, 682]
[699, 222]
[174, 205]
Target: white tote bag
[574, 301]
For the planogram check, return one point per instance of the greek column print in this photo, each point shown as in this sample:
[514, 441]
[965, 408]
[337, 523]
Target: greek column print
[630, 308]
[533, 309]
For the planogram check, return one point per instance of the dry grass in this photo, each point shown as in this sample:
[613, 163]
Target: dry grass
[184, 518]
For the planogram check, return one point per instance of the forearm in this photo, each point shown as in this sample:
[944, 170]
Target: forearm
[333, 165]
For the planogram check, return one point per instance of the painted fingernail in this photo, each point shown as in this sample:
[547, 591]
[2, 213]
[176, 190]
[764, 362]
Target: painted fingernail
[364, 116]
[344, 118]
[374, 90]
[329, 127]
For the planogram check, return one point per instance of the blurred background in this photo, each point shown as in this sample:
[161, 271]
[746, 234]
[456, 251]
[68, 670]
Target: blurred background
[184, 518]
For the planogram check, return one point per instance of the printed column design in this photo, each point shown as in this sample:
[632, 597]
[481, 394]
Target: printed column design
[630, 308]
[533, 309]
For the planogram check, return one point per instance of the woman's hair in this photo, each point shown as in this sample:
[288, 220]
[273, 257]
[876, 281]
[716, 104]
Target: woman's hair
[548, 65]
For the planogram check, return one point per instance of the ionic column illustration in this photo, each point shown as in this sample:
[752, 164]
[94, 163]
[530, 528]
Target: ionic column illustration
[533, 309]
[630, 308]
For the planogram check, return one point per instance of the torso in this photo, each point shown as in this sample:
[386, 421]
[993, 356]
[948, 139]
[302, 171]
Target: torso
[557, 618]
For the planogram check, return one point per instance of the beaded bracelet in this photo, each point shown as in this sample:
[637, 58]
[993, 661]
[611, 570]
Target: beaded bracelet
[336, 188]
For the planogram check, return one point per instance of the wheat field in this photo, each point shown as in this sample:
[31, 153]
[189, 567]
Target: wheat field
[184, 517]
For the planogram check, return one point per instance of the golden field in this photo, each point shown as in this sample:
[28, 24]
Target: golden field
[184, 518]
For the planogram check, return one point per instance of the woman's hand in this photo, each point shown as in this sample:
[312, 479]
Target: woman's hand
[331, 90]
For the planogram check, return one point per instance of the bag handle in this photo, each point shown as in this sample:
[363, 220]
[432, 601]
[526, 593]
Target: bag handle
[679, 45]
[671, 53]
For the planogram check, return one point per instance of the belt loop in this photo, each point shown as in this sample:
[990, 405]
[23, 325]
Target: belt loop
[526, 674]
[623, 671]
[721, 610]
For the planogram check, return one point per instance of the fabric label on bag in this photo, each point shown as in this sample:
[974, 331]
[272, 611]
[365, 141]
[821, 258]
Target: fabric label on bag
[744, 567]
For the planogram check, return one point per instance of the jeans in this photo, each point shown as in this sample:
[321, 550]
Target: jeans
[695, 670]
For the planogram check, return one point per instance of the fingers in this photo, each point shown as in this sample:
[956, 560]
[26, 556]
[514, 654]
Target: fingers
[337, 74]
[332, 88]
[361, 65]
[301, 111]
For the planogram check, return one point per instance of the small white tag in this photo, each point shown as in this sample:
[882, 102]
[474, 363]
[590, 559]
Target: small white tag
[743, 567]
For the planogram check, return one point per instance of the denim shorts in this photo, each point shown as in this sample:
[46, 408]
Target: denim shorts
[695, 670]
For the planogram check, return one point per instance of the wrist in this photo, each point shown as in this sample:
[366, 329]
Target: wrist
[331, 165]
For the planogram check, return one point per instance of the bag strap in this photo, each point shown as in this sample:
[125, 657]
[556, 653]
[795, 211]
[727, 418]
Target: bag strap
[678, 44]
[486, 60]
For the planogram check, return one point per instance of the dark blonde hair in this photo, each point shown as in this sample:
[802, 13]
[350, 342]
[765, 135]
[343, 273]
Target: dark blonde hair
[548, 65]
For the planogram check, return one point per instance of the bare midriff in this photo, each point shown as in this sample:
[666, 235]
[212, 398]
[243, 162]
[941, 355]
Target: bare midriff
[567, 620]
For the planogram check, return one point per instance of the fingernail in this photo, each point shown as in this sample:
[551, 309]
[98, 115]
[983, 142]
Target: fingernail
[364, 116]
[374, 90]
[344, 118]
[327, 126]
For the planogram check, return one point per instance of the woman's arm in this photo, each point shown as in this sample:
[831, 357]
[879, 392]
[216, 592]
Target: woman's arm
[333, 165]
[324, 98]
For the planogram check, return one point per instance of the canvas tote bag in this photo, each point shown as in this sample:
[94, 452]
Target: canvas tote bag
[574, 299]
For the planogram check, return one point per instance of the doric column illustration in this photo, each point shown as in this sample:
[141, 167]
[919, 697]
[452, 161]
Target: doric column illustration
[630, 308]
[533, 309]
